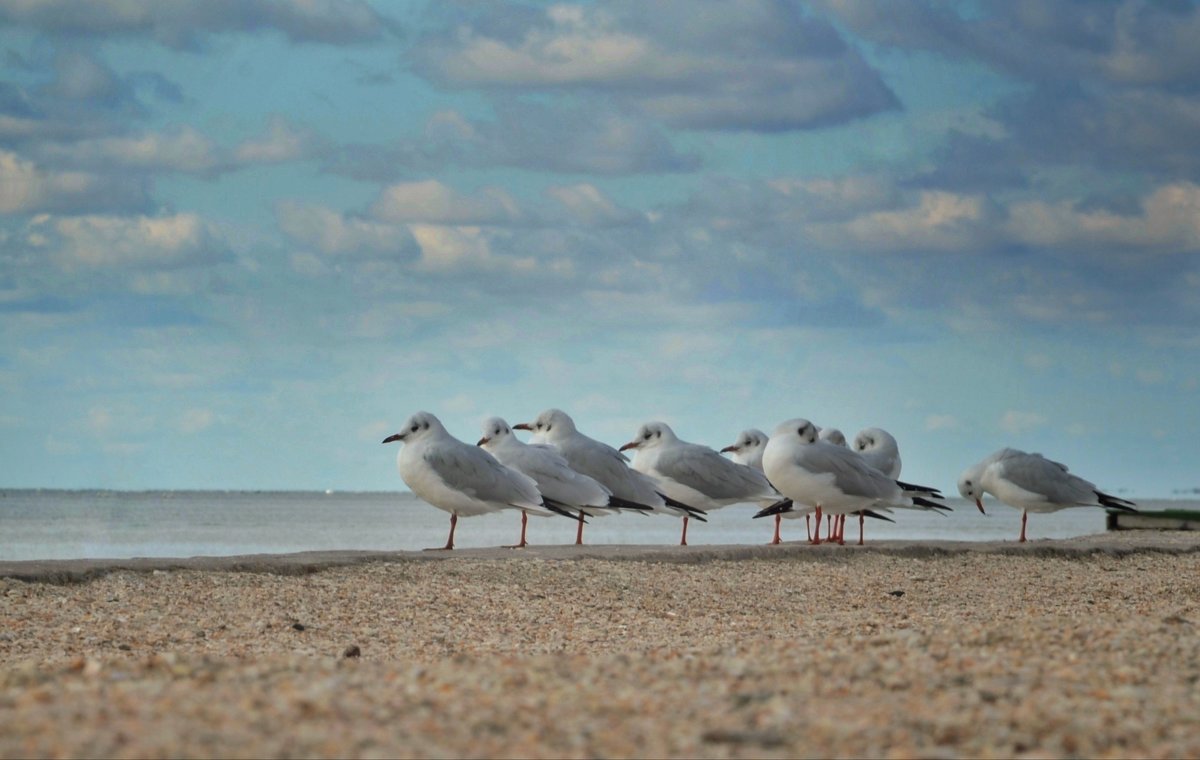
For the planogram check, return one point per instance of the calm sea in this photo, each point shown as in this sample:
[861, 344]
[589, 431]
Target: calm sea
[49, 524]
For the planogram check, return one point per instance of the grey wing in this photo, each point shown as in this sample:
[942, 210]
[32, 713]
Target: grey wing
[558, 480]
[476, 473]
[851, 474]
[1039, 475]
[713, 475]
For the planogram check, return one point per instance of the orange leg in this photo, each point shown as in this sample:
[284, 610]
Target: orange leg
[776, 539]
[449, 541]
[579, 531]
[816, 538]
[683, 538]
[524, 521]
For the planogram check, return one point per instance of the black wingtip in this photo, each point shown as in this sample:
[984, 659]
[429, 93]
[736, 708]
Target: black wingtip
[559, 508]
[922, 502]
[926, 490]
[1112, 502]
[692, 512]
[778, 508]
[876, 515]
[617, 502]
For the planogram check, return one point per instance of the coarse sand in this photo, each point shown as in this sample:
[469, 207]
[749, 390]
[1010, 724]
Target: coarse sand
[1086, 647]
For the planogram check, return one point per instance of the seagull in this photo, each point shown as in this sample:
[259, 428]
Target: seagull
[557, 482]
[1033, 483]
[696, 474]
[603, 463]
[832, 478]
[880, 449]
[748, 450]
[833, 435]
[460, 478]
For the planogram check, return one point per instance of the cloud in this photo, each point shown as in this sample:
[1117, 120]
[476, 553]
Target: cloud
[27, 188]
[281, 142]
[337, 234]
[184, 24]
[550, 138]
[430, 201]
[936, 422]
[753, 65]
[106, 242]
[586, 204]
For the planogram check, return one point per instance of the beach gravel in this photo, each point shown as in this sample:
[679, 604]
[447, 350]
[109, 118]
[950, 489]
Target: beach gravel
[803, 652]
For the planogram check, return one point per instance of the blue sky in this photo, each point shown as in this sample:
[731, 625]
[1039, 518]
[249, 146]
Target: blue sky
[240, 242]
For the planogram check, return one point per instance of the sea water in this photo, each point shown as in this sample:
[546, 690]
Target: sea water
[52, 524]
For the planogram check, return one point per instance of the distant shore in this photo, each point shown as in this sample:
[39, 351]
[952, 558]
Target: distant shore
[1078, 647]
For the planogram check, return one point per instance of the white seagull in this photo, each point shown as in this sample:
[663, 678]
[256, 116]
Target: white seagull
[603, 463]
[833, 435]
[558, 483]
[1033, 483]
[831, 478]
[695, 474]
[748, 450]
[460, 478]
[880, 449]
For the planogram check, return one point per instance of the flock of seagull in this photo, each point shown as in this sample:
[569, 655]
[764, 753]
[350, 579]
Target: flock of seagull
[799, 470]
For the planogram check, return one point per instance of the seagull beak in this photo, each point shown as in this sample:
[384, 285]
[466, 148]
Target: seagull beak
[523, 426]
[483, 440]
[630, 445]
[396, 437]
[979, 503]
[727, 449]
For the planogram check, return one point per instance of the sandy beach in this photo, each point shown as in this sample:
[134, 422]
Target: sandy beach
[1084, 647]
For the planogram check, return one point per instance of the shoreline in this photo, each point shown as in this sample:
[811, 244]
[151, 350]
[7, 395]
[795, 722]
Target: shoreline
[1114, 543]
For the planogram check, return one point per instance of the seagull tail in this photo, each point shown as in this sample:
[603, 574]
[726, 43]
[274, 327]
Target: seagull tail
[778, 508]
[687, 509]
[1112, 502]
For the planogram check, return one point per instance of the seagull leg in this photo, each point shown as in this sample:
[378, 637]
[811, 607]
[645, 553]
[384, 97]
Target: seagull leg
[523, 543]
[1024, 517]
[683, 539]
[579, 531]
[828, 527]
[776, 539]
[861, 519]
[816, 537]
[449, 541]
[808, 527]
[841, 529]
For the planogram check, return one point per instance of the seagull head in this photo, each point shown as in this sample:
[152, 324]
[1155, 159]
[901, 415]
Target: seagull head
[551, 422]
[748, 440]
[418, 426]
[833, 435]
[494, 431]
[798, 429]
[650, 435]
[873, 438]
[969, 487]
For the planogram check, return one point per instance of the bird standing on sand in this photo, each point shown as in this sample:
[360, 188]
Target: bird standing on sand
[748, 450]
[557, 482]
[1033, 483]
[603, 463]
[696, 474]
[831, 478]
[459, 478]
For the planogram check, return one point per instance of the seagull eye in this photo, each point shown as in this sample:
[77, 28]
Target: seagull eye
[647, 435]
[415, 428]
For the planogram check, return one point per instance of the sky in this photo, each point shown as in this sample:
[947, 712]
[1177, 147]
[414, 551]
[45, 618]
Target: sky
[242, 240]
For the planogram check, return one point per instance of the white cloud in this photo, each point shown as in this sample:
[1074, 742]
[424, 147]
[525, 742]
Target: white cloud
[587, 204]
[183, 149]
[281, 142]
[431, 202]
[336, 234]
[99, 241]
[196, 420]
[24, 187]
[941, 422]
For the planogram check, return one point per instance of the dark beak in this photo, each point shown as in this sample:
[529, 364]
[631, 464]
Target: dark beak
[727, 449]
[483, 440]
[778, 508]
[396, 437]
[979, 503]
[523, 426]
[630, 445]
